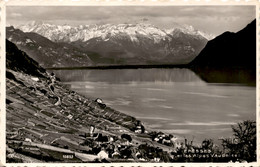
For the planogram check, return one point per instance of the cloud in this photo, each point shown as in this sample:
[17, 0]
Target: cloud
[15, 15]
[213, 19]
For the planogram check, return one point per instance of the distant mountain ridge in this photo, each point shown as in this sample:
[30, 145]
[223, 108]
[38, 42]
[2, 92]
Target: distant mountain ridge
[123, 44]
[47, 52]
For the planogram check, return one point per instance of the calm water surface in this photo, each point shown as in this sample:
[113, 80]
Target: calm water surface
[171, 100]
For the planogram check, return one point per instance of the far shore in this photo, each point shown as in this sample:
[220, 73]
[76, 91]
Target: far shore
[119, 67]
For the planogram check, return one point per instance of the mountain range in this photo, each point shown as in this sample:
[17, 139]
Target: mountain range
[67, 33]
[125, 44]
[141, 44]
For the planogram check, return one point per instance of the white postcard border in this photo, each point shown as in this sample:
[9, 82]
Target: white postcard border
[5, 3]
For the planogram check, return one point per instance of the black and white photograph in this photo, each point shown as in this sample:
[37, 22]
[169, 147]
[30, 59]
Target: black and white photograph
[131, 84]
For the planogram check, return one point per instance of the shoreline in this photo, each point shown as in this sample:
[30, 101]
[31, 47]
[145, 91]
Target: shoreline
[107, 67]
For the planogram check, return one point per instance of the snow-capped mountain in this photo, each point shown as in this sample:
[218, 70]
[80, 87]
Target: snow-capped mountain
[66, 33]
[188, 29]
[46, 52]
[139, 43]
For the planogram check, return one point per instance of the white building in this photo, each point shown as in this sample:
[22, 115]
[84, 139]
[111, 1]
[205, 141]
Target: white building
[102, 154]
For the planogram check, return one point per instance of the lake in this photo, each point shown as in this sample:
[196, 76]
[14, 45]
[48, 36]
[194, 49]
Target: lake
[172, 100]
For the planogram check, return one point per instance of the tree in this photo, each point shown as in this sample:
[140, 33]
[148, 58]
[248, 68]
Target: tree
[207, 144]
[243, 141]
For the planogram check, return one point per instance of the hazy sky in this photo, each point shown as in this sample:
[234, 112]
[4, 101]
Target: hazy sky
[211, 19]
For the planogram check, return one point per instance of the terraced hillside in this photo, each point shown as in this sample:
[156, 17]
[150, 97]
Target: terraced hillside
[45, 121]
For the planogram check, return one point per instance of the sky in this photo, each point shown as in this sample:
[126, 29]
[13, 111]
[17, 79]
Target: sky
[211, 19]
